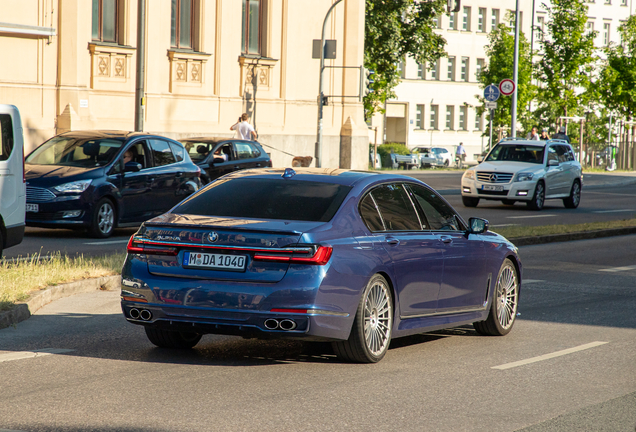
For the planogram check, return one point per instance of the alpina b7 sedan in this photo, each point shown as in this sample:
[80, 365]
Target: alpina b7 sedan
[355, 258]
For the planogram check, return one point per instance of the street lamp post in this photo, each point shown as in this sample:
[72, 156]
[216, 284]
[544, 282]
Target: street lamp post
[320, 91]
[515, 76]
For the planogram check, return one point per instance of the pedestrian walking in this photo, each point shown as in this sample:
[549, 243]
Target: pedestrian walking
[244, 129]
[561, 135]
[460, 155]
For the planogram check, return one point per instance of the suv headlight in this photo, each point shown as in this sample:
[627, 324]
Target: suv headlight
[73, 187]
[469, 174]
[524, 176]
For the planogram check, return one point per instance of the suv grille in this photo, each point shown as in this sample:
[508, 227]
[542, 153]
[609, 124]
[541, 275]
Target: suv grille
[38, 194]
[494, 177]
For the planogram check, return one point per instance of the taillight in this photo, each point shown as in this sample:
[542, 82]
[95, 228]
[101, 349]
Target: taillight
[278, 310]
[315, 255]
[141, 247]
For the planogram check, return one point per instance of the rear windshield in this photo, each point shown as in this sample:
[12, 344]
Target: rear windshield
[76, 152]
[517, 153]
[268, 199]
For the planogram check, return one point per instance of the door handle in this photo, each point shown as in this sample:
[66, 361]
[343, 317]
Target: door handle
[446, 239]
[392, 241]
[179, 174]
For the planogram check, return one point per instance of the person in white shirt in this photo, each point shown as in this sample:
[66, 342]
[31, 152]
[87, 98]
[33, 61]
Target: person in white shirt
[534, 135]
[244, 129]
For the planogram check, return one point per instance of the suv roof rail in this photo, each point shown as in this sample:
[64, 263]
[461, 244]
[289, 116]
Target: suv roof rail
[558, 140]
[516, 138]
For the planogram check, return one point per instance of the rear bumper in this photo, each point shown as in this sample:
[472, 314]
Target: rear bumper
[14, 236]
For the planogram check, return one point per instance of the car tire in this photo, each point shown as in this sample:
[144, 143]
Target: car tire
[575, 196]
[508, 202]
[503, 307]
[371, 331]
[103, 219]
[172, 339]
[446, 163]
[470, 201]
[538, 199]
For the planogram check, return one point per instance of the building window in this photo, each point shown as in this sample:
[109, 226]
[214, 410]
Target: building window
[464, 70]
[478, 121]
[462, 117]
[251, 35]
[589, 27]
[436, 22]
[481, 20]
[419, 117]
[494, 20]
[623, 2]
[450, 111]
[421, 71]
[466, 19]
[435, 71]
[105, 21]
[540, 27]
[434, 116]
[401, 69]
[451, 69]
[452, 22]
[478, 68]
[608, 1]
[183, 24]
[606, 34]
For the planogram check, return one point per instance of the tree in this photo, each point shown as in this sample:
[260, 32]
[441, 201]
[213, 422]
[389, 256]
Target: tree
[567, 61]
[500, 51]
[395, 29]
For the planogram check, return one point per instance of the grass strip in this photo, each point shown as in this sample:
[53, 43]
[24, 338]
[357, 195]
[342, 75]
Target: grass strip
[18, 279]
[513, 232]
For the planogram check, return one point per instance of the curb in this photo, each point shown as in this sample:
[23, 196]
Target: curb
[22, 311]
[584, 235]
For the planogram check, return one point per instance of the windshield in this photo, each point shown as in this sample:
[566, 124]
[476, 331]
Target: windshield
[75, 152]
[267, 199]
[517, 153]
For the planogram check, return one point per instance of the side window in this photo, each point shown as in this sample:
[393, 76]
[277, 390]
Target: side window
[552, 154]
[178, 151]
[224, 151]
[562, 153]
[567, 155]
[140, 154]
[396, 208]
[6, 137]
[370, 215]
[243, 150]
[438, 214]
[161, 153]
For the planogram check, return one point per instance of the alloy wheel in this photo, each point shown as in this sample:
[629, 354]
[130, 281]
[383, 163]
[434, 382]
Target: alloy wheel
[377, 318]
[507, 296]
[106, 218]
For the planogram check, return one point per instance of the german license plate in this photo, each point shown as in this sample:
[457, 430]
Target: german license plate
[33, 208]
[214, 261]
[492, 188]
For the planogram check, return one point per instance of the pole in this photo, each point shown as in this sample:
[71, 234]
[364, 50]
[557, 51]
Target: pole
[320, 92]
[490, 142]
[140, 91]
[513, 126]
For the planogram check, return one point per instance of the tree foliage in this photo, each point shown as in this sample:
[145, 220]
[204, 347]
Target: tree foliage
[395, 29]
[567, 60]
[500, 53]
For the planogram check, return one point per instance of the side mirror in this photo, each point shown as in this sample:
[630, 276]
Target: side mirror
[553, 162]
[480, 159]
[478, 225]
[218, 160]
[132, 167]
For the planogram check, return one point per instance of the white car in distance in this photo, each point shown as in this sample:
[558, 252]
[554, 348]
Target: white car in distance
[525, 171]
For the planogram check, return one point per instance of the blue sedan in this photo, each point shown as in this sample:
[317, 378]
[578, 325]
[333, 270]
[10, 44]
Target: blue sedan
[355, 258]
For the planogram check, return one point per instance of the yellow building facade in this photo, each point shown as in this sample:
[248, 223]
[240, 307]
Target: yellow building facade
[71, 65]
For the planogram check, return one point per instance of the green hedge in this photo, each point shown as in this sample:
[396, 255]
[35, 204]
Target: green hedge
[385, 149]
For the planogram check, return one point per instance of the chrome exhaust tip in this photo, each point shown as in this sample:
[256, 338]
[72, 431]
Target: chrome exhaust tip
[134, 313]
[271, 324]
[145, 315]
[287, 324]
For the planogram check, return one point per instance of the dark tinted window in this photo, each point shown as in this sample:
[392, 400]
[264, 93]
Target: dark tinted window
[6, 136]
[245, 150]
[267, 199]
[517, 153]
[161, 152]
[437, 214]
[178, 151]
[370, 214]
[396, 208]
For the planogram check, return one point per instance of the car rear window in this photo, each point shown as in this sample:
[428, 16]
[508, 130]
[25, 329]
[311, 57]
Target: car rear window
[517, 153]
[267, 199]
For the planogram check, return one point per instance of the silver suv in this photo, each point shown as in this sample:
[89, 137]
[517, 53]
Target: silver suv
[527, 171]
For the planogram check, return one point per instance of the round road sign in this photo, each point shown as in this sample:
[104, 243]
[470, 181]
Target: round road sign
[491, 93]
[507, 87]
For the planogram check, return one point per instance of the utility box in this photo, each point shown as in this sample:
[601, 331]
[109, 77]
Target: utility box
[330, 49]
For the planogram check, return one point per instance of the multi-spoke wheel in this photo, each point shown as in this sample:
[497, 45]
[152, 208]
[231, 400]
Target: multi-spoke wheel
[371, 332]
[539, 197]
[103, 219]
[505, 298]
[575, 196]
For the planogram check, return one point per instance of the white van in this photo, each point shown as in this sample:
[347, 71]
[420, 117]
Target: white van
[12, 182]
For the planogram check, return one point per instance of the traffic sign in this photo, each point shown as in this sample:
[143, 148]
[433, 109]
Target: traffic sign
[491, 93]
[507, 87]
[491, 105]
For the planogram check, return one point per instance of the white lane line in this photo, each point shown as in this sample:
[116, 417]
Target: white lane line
[549, 356]
[20, 355]
[107, 242]
[614, 211]
[527, 281]
[10, 430]
[502, 225]
[619, 269]
[529, 217]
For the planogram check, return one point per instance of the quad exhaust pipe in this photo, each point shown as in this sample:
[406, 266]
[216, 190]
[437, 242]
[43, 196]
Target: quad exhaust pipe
[142, 314]
[285, 324]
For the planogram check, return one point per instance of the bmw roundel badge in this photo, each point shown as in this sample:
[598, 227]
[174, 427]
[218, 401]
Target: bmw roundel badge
[213, 236]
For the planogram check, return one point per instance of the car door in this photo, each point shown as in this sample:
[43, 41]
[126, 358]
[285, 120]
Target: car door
[165, 177]
[415, 254]
[246, 155]
[569, 166]
[464, 280]
[555, 176]
[135, 186]
[219, 167]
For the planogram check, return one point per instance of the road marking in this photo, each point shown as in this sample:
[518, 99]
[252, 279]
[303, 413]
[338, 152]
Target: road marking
[502, 225]
[527, 281]
[107, 242]
[20, 355]
[619, 269]
[549, 356]
[614, 211]
[528, 217]
[10, 430]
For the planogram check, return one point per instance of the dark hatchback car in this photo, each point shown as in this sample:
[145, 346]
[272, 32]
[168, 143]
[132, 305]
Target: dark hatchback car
[350, 257]
[220, 156]
[78, 180]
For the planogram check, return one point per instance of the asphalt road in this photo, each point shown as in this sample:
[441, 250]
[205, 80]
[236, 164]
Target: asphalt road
[568, 365]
